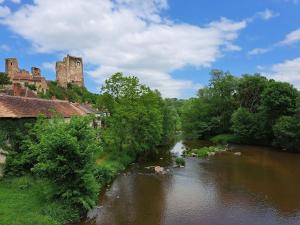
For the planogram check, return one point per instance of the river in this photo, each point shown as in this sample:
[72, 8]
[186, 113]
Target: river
[261, 186]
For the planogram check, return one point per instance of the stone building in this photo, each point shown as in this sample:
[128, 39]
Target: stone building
[70, 71]
[24, 77]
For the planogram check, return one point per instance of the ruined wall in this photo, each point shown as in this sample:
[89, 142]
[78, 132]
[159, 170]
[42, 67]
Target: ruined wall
[70, 70]
[11, 67]
[36, 72]
[23, 77]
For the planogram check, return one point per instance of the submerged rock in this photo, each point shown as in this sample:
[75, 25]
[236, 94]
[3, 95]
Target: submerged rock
[237, 153]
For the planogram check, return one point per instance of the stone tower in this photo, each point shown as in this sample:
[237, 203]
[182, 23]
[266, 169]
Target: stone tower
[70, 71]
[11, 67]
[36, 72]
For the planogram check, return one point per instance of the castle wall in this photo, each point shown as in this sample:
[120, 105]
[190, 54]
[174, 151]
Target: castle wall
[70, 70]
[36, 72]
[11, 67]
[61, 72]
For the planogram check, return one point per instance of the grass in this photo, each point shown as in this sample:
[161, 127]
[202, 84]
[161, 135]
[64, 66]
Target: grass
[25, 201]
[180, 161]
[205, 151]
[225, 139]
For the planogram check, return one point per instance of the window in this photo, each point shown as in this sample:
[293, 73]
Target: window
[78, 63]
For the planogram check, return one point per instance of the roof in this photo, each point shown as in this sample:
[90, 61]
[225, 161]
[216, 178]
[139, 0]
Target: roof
[23, 107]
[88, 109]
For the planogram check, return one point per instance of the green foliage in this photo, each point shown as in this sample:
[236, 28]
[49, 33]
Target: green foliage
[139, 119]
[248, 106]
[225, 139]
[244, 124]
[72, 93]
[205, 151]
[64, 153]
[12, 132]
[25, 201]
[249, 91]
[4, 79]
[30, 86]
[287, 133]
[180, 161]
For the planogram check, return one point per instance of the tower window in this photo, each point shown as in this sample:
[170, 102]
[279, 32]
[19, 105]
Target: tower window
[78, 63]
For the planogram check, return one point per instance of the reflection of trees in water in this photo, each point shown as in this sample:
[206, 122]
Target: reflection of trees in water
[259, 177]
[142, 201]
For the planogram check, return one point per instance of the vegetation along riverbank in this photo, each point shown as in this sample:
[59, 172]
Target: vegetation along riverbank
[250, 109]
[55, 169]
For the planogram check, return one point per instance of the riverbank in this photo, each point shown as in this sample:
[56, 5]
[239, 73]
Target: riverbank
[250, 188]
[26, 200]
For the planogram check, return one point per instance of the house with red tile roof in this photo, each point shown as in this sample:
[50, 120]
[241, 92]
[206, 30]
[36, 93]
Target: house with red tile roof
[15, 107]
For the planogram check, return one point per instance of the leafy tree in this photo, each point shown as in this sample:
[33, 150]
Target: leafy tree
[4, 79]
[278, 99]
[287, 133]
[138, 120]
[244, 125]
[65, 154]
[249, 91]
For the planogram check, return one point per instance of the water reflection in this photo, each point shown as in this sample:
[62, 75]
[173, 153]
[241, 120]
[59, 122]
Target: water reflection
[259, 187]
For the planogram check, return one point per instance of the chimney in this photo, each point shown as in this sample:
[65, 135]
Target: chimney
[17, 89]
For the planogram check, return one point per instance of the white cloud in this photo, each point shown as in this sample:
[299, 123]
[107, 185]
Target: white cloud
[259, 51]
[49, 66]
[129, 36]
[291, 38]
[267, 14]
[4, 11]
[288, 71]
[16, 1]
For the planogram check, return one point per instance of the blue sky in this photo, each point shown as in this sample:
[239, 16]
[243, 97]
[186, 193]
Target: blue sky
[170, 45]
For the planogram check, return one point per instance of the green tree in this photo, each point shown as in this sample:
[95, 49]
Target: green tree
[4, 79]
[249, 91]
[64, 153]
[244, 125]
[136, 121]
[287, 133]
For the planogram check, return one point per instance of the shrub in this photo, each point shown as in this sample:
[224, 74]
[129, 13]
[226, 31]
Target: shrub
[204, 151]
[225, 139]
[180, 161]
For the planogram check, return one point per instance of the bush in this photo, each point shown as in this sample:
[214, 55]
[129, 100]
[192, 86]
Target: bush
[286, 132]
[65, 154]
[225, 139]
[205, 151]
[180, 161]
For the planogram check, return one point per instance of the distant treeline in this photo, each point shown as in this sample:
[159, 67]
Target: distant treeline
[250, 109]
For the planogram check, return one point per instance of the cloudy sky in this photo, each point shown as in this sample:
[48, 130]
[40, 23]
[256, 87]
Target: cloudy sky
[171, 45]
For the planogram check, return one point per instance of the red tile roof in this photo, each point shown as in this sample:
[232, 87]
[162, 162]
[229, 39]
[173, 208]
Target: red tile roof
[23, 107]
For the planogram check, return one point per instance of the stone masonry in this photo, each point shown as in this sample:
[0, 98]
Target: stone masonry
[70, 71]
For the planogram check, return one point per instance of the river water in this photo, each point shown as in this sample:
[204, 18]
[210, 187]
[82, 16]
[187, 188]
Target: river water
[261, 186]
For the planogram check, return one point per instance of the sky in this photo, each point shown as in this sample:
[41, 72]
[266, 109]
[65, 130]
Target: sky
[170, 45]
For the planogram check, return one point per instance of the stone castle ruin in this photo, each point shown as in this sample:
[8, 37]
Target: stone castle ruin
[70, 71]
[24, 77]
